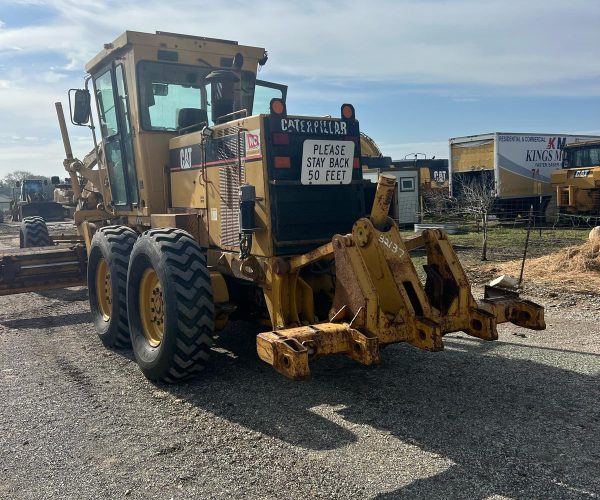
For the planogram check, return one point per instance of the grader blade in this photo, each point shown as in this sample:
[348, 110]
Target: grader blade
[379, 298]
[33, 269]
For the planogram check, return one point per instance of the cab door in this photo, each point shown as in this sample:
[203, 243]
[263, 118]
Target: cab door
[113, 113]
[263, 93]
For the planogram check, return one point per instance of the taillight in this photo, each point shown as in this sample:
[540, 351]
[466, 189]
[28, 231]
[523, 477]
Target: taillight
[277, 106]
[282, 162]
[281, 139]
[347, 112]
[356, 163]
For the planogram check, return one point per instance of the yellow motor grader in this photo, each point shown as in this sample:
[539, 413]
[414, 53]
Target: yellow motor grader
[205, 200]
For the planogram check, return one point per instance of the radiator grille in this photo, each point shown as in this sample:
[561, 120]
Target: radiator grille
[231, 148]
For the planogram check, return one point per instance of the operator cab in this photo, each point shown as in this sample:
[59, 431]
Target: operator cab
[180, 98]
[149, 88]
[582, 154]
[33, 190]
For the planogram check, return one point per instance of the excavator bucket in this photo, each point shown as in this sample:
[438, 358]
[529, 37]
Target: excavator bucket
[380, 299]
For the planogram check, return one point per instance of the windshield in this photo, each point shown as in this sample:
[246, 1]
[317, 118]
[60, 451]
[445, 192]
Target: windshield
[583, 157]
[33, 187]
[165, 89]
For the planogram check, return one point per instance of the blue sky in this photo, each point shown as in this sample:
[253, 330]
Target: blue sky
[417, 71]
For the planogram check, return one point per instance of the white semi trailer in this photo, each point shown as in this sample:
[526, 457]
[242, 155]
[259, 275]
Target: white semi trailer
[520, 165]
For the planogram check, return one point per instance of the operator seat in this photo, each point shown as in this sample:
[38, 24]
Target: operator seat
[191, 119]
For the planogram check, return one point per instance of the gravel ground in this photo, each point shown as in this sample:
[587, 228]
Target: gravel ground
[516, 418]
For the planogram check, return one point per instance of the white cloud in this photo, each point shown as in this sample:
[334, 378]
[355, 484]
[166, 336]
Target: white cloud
[464, 49]
[43, 159]
[52, 76]
[39, 155]
[510, 43]
[31, 105]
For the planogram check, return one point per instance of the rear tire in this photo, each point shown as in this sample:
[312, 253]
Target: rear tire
[170, 305]
[34, 233]
[107, 283]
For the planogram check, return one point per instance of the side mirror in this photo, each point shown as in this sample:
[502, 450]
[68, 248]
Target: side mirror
[79, 106]
[55, 179]
[18, 184]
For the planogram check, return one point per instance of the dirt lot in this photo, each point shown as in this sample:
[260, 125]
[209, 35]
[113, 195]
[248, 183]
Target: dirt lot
[517, 418]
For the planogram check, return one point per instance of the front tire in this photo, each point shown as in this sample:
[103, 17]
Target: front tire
[107, 283]
[34, 233]
[170, 305]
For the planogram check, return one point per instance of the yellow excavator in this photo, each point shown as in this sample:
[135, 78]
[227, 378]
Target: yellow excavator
[205, 200]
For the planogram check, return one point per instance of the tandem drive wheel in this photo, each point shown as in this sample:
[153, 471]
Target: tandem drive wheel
[107, 282]
[169, 305]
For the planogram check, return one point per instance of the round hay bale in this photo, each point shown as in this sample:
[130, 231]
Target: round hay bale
[594, 234]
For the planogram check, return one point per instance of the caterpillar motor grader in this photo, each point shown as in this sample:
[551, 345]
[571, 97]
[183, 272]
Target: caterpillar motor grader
[206, 200]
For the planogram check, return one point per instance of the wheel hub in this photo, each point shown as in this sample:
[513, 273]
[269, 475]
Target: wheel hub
[104, 289]
[152, 307]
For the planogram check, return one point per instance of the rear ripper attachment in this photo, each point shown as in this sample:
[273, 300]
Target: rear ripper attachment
[379, 298]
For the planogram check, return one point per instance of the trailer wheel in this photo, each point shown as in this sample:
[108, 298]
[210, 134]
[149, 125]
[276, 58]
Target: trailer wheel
[551, 212]
[107, 283]
[33, 233]
[170, 305]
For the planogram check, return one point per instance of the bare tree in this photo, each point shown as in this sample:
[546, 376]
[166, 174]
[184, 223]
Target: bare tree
[12, 178]
[477, 199]
[438, 204]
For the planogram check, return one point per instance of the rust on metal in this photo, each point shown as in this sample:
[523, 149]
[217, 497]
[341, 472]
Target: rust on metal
[383, 200]
[31, 269]
[379, 298]
[319, 253]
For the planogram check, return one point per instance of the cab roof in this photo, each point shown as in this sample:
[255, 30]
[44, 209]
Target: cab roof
[593, 142]
[171, 41]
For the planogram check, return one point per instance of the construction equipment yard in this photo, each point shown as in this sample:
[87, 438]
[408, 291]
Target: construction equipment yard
[247, 288]
[515, 418]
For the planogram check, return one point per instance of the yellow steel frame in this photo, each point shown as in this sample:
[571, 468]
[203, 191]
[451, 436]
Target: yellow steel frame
[379, 298]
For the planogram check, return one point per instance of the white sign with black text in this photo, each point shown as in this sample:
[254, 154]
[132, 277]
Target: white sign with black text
[327, 162]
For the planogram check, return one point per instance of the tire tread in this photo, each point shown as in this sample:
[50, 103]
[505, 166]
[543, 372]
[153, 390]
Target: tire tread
[34, 232]
[121, 240]
[186, 265]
